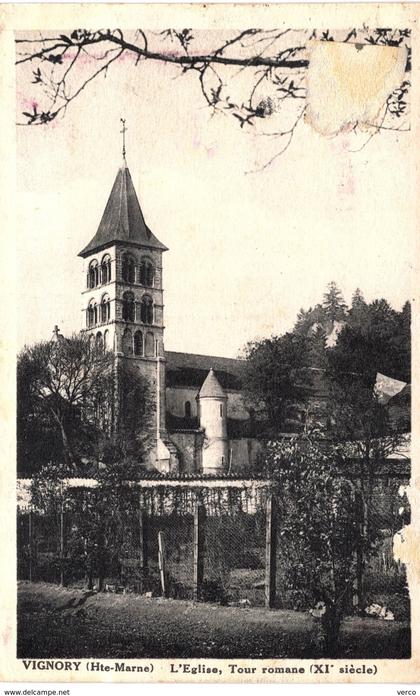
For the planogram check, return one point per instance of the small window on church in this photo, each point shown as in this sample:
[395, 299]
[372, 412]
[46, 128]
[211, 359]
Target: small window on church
[223, 460]
[128, 306]
[187, 409]
[221, 410]
[128, 268]
[147, 272]
[146, 310]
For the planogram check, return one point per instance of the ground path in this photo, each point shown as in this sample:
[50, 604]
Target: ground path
[66, 622]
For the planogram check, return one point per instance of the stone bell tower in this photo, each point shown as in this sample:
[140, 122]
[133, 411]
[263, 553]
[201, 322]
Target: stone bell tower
[123, 299]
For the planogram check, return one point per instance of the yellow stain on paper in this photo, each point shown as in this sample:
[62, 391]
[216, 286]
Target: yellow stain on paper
[349, 84]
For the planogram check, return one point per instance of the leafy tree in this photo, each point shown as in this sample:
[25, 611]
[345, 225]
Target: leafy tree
[271, 63]
[101, 510]
[319, 527]
[276, 376]
[69, 410]
[61, 386]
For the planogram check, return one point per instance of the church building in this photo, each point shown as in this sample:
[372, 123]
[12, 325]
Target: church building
[201, 423]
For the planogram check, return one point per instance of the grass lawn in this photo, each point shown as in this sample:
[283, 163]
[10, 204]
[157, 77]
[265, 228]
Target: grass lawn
[65, 622]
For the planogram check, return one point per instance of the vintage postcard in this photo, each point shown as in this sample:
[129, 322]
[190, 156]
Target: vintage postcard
[210, 247]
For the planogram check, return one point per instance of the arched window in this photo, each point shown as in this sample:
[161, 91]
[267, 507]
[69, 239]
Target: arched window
[99, 341]
[106, 269]
[92, 314]
[127, 342]
[93, 274]
[147, 272]
[128, 266]
[106, 339]
[187, 409]
[128, 306]
[105, 309]
[150, 345]
[146, 310]
[138, 343]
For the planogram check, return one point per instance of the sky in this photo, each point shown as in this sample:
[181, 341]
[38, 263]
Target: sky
[247, 248]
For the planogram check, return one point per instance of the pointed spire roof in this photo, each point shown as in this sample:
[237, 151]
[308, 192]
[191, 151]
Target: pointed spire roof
[123, 219]
[211, 387]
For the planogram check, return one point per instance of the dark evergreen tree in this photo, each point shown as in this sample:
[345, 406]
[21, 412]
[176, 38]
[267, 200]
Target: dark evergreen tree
[333, 303]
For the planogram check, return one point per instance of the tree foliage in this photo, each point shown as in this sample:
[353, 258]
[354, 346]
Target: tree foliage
[62, 386]
[276, 376]
[319, 527]
[68, 406]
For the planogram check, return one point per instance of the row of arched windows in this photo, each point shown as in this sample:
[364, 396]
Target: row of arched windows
[132, 311]
[99, 274]
[143, 274]
[98, 314]
[139, 344]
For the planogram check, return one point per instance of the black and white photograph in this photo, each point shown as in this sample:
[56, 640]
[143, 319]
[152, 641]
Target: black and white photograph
[215, 253]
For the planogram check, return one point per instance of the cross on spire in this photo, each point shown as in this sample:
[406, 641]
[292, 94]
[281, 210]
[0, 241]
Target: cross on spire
[123, 131]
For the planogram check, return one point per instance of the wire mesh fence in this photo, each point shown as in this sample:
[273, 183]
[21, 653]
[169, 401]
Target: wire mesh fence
[226, 555]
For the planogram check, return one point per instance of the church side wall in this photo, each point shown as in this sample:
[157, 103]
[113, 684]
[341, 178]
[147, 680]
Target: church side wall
[176, 398]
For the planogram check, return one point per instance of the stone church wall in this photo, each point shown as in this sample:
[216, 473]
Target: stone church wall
[176, 398]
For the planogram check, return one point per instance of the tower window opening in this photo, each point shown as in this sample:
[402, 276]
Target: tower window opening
[99, 342]
[127, 342]
[105, 309]
[128, 268]
[128, 306]
[93, 274]
[147, 272]
[106, 269]
[223, 460]
[92, 314]
[221, 410]
[150, 345]
[146, 310]
[187, 409]
[138, 343]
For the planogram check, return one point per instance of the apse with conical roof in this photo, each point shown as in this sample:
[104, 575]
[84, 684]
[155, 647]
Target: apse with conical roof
[212, 401]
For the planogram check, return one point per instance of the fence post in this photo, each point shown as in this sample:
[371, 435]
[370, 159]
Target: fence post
[143, 550]
[62, 547]
[270, 550]
[199, 522]
[162, 564]
[30, 540]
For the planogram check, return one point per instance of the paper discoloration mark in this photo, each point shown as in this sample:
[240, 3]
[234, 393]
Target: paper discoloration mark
[348, 84]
